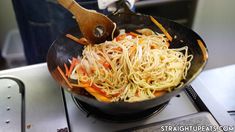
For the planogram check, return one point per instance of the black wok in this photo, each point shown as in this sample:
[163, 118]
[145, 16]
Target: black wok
[63, 49]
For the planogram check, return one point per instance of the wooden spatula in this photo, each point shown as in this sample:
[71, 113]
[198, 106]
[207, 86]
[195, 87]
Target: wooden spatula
[94, 26]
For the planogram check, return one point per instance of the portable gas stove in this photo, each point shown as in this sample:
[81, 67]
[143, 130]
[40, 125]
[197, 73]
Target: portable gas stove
[30, 100]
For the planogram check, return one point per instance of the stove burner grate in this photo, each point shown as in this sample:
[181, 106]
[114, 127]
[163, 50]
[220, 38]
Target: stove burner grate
[92, 111]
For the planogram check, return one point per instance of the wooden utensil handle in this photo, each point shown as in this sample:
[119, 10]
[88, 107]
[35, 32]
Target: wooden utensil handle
[72, 6]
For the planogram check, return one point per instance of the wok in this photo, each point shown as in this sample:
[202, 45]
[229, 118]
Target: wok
[63, 49]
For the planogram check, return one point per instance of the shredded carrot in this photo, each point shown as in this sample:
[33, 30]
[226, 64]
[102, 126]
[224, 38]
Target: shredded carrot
[82, 41]
[72, 37]
[74, 62]
[167, 44]
[76, 85]
[83, 82]
[66, 70]
[82, 70]
[96, 88]
[120, 37]
[93, 89]
[132, 50]
[134, 35]
[92, 69]
[161, 28]
[106, 64]
[64, 77]
[159, 93]
[95, 93]
[137, 93]
[99, 90]
[203, 48]
[154, 46]
[117, 48]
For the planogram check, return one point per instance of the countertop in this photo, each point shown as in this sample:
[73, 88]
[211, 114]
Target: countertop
[220, 82]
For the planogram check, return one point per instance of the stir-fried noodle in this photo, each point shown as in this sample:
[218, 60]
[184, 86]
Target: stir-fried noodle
[132, 67]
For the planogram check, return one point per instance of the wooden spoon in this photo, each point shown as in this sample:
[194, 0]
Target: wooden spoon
[95, 27]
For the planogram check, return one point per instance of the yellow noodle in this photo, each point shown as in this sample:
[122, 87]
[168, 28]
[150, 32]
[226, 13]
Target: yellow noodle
[135, 76]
